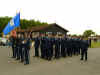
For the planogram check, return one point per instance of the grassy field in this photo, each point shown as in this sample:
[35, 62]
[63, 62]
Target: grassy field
[95, 44]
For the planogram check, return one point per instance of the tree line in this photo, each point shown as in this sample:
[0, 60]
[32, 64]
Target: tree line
[24, 23]
[86, 33]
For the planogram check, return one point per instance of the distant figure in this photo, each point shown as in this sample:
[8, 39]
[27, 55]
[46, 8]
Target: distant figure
[89, 40]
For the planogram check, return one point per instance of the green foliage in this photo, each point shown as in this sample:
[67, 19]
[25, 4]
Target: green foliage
[3, 22]
[74, 35]
[30, 23]
[88, 33]
[24, 24]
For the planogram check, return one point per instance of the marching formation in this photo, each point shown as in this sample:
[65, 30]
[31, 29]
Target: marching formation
[21, 47]
[48, 47]
[60, 46]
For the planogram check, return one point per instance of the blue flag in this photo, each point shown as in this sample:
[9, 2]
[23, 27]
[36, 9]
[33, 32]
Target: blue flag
[14, 22]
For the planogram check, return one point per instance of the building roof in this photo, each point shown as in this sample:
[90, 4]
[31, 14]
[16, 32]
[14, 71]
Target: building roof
[45, 28]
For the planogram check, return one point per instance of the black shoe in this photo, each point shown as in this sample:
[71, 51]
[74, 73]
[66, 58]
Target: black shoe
[26, 63]
[49, 59]
[17, 59]
[81, 59]
[35, 56]
[13, 57]
[42, 56]
[22, 60]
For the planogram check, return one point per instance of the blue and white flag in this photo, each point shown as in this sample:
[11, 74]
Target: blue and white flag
[14, 22]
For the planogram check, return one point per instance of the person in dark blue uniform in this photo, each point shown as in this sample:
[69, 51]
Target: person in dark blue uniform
[78, 46]
[36, 45]
[84, 49]
[42, 46]
[21, 52]
[75, 44]
[72, 46]
[57, 47]
[13, 40]
[49, 47]
[52, 45]
[79, 43]
[63, 46]
[26, 49]
[67, 45]
[17, 47]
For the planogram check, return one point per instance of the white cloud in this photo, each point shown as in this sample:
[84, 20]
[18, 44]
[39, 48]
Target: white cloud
[74, 15]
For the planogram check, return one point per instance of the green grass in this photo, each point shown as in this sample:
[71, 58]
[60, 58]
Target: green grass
[95, 44]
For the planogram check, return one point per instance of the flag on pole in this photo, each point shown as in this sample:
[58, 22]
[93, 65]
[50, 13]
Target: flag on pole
[14, 22]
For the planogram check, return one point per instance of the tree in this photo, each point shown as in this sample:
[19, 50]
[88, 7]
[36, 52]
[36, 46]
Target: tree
[24, 23]
[74, 35]
[88, 33]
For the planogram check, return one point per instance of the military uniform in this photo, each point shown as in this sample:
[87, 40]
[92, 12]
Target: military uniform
[63, 47]
[26, 50]
[84, 48]
[21, 52]
[67, 45]
[48, 48]
[36, 45]
[13, 40]
[43, 47]
[57, 47]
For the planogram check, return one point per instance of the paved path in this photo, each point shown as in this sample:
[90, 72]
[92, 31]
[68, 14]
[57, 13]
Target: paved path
[63, 66]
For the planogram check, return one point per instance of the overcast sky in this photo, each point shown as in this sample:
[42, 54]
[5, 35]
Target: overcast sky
[74, 15]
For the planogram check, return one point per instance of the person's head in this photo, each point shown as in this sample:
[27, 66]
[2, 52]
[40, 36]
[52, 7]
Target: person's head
[56, 36]
[25, 35]
[43, 35]
[62, 36]
[28, 36]
[22, 36]
[19, 35]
